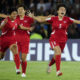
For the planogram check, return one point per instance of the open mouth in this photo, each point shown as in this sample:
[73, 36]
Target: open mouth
[62, 13]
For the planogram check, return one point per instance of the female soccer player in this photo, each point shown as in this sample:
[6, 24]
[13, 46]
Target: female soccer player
[23, 36]
[58, 36]
[8, 37]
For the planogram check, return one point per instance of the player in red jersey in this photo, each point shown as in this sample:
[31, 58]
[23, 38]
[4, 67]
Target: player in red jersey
[23, 36]
[58, 36]
[8, 37]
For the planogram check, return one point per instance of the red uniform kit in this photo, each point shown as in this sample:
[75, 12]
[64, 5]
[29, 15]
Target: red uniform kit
[23, 37]
[8, 36]
[59, 31]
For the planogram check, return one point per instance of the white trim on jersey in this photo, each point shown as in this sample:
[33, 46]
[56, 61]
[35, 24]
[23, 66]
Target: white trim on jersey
[2, 23]
[28, 32]
[52, 44]
[53, 32]
[48, 19]
[71, 19]
[3, 33]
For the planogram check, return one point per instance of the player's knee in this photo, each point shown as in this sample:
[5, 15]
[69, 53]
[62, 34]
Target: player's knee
[14, 46]
[24, 57]
[58, 50]
[14, 49]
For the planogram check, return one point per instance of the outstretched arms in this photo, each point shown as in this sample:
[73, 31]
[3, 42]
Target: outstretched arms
[3, 16]
[76, 21]
[40, 19]
[37, 18]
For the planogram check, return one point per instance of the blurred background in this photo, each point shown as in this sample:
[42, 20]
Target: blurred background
[46, 7]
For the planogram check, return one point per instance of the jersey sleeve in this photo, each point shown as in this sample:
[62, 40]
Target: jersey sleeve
[70, 20]
[2, 22]
[49, 20]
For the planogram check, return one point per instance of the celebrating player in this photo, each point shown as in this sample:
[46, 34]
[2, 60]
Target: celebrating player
[58, 36]
[23, 37]
[8, 37]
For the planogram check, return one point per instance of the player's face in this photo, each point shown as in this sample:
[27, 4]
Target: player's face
[61, 11]
[21, 11]
[14, 15]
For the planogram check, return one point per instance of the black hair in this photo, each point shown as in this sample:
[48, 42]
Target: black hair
[12, 10]
[61, 5]
[22, 5]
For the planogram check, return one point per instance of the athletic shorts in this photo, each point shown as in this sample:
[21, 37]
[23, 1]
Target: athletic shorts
[6, 42]
[23, 43]
[54, 43]
[23, 47]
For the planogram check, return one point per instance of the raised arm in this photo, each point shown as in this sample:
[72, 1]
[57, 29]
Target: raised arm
[3, 16]
[76, 21]
[40, 19]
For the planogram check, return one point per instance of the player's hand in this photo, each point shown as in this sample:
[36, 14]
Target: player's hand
[32, 28]
[30, 14]
[6, 20]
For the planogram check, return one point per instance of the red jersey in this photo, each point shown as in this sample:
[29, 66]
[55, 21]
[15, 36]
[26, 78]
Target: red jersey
[59, 28]
[8, 36]
[23, 37]
[26, 22]
[10, 27]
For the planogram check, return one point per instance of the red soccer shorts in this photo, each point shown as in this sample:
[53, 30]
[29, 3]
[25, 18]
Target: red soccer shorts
[6, 42]
[23, 47]
[23, 43]
[54, 43]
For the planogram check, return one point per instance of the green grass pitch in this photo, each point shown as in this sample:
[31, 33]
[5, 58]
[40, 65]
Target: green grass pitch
[37, 71]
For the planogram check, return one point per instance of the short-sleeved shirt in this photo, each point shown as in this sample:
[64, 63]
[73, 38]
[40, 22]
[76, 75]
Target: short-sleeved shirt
[10, 27]
[26, 22]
